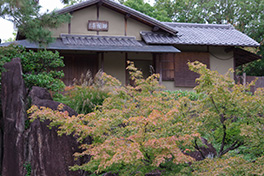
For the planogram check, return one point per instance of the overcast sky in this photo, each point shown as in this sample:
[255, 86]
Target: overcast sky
[6, 27]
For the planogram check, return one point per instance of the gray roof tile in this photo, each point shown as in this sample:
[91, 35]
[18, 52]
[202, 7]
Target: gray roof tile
[76, 45]
[200, 34]
[92, 40]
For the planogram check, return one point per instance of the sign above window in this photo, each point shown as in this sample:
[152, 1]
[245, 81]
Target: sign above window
[94, 25]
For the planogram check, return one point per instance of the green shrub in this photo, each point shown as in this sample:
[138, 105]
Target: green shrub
[27, 166]
[86, 94]
[38, 66]
[83, 99]
[230, 166]
[184, 93]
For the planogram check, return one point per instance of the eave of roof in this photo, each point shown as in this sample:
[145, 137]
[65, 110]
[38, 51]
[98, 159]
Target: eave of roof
[122, 9]
[242, 56]
[59, 44]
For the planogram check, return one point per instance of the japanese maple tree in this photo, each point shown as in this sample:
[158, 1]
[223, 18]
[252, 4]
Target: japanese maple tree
[141, 128]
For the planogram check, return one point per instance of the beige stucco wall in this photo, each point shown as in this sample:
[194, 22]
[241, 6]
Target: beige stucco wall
[114, 64]
[79, 22]
[63, 29]
[220, 61]
[170, 86]
[134, 27]
[139, 56]
[115, 21]
[80, 19]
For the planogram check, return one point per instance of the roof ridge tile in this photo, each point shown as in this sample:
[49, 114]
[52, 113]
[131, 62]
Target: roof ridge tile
[199, 25]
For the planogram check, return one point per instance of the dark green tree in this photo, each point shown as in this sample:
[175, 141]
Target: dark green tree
[39, 67]
[146, 8]
[26, 16]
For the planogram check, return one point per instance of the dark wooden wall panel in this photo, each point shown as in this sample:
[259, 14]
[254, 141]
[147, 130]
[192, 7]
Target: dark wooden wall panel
[173, 67]
[76, 65]
[167, 66]
[183, 77]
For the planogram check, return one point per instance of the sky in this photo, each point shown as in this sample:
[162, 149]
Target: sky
[7, 27]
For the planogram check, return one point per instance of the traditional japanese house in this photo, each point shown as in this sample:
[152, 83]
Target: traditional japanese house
[104, 34]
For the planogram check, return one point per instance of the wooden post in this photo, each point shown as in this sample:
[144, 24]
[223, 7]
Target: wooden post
[160, 68]
[244, 79]
[125, 26]
[69, 26]
[98, 8]
[154, 62]
[126, 59]
[102, 61]
[125, 18]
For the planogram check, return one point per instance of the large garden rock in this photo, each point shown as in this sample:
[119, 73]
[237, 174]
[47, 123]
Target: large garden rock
[31, 147]
[13, 121]
[49, 153]
[41, 97]
[39, 93]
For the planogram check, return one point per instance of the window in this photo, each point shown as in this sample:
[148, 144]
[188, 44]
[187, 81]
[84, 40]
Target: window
[183, 77]
[173, 67]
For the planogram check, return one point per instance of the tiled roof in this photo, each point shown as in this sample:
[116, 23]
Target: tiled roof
[75, 45]
[91, 40]
[122, 9]
[200, 34]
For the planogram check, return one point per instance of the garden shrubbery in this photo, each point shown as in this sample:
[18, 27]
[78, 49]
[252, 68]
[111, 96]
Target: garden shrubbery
[141, 129]
[192, 95]
[86, 94]
[83, 99]
[38, 66]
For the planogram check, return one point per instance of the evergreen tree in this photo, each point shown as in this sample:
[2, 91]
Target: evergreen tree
[25, 14]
